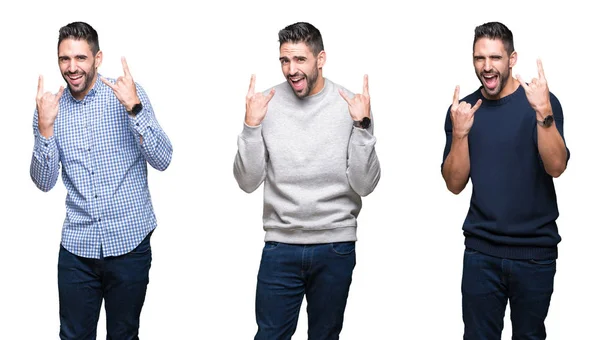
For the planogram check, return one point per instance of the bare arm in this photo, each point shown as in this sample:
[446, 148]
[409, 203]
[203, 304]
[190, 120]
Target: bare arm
[457, 165]
[551, 145]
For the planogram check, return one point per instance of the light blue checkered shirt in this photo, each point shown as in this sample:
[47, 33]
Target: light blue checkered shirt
[109, 209]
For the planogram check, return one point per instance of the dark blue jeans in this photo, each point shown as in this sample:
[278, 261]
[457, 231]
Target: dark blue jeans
[121, 281]
[489, 282]
[287, 272]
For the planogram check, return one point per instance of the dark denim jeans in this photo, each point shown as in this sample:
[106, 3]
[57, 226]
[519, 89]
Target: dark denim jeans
[121, 281]
[287, 272]
[489, 282]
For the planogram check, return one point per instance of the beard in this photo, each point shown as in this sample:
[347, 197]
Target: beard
[501, 79]
[310, 78]
[82, 87]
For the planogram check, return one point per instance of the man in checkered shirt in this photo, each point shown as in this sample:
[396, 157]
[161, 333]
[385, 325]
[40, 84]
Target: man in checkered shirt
[103, 132]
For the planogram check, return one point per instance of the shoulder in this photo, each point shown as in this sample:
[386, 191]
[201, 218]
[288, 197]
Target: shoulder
[335, 87]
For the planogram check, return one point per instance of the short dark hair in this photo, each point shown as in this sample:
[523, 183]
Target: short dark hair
[302, 32]
[78, 31]
[495, 30]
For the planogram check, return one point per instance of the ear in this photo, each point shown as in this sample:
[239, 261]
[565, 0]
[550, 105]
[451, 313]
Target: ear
[512, 60]
[321, 58]
[98, 59]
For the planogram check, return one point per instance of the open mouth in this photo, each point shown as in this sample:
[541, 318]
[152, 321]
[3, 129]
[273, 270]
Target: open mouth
[298, 82]
[75, 79]
[490, 80]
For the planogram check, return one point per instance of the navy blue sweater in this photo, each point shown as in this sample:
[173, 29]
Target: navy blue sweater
[513, 208]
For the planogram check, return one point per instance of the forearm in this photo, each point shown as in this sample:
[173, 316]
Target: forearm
[457, 165]
[363, 165]
[552, 149]
[250, 165]
[153, 141]
[44, 163]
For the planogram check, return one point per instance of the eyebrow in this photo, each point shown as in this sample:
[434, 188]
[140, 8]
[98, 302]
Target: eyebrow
[483, 56]
[301, 57]
[76, 56]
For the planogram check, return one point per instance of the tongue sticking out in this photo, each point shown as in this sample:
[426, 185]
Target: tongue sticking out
[76, 80]
[491, 82]
[299, 85]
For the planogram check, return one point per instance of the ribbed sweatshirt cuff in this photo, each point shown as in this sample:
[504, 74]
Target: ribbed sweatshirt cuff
[252, 133]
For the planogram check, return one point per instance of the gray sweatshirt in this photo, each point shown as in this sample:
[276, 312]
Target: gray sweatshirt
[314, 163]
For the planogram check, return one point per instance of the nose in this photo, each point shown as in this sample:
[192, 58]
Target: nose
[487, 66]
[72, 66]
[293, 68]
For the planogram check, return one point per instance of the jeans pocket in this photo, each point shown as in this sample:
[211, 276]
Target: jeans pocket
[470, 251]
[270, 245]
[543, 262]
[343, 248]
[143, 247]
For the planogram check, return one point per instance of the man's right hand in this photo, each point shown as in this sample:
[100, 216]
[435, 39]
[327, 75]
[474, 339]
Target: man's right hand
[256, 104]
[47, 108]
[462, 115]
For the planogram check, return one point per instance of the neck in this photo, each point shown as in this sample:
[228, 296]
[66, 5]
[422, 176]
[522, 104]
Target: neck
[318, 85]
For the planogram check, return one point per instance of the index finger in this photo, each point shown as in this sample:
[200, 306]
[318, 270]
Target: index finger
[251, 88]
[456, 95]
[540, 69]
[125, 67]
[40, 90]
[366, 85]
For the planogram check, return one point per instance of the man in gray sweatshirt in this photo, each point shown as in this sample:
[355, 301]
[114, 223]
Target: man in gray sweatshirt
[311, 142]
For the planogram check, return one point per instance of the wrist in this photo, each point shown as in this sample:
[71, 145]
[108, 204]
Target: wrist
[134, 109]
[252, 122]
[543, 111]
[363, 123]
[46, 131]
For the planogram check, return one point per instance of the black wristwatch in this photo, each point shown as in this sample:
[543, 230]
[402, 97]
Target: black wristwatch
[136, 109]
[547, 122]
[364, 123]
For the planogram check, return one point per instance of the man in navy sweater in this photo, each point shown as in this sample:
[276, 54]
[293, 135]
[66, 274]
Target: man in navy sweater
[507, 137]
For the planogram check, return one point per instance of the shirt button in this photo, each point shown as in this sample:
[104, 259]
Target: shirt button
[89, 149]
[96, 196]
[98, 219]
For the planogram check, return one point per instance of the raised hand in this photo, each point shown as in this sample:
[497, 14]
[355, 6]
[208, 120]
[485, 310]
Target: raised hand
[462, 115]
[360, 105]
[256, 104]
[124, 88]
[47, 108]
[537, 92]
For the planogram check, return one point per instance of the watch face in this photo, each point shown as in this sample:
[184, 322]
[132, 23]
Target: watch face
[365, 123]
[136, 109]
[548, 121]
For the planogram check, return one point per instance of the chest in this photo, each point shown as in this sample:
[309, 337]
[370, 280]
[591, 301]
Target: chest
[499, 130]
[91, 128]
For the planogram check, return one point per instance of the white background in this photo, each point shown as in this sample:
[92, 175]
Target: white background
[195, 62]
